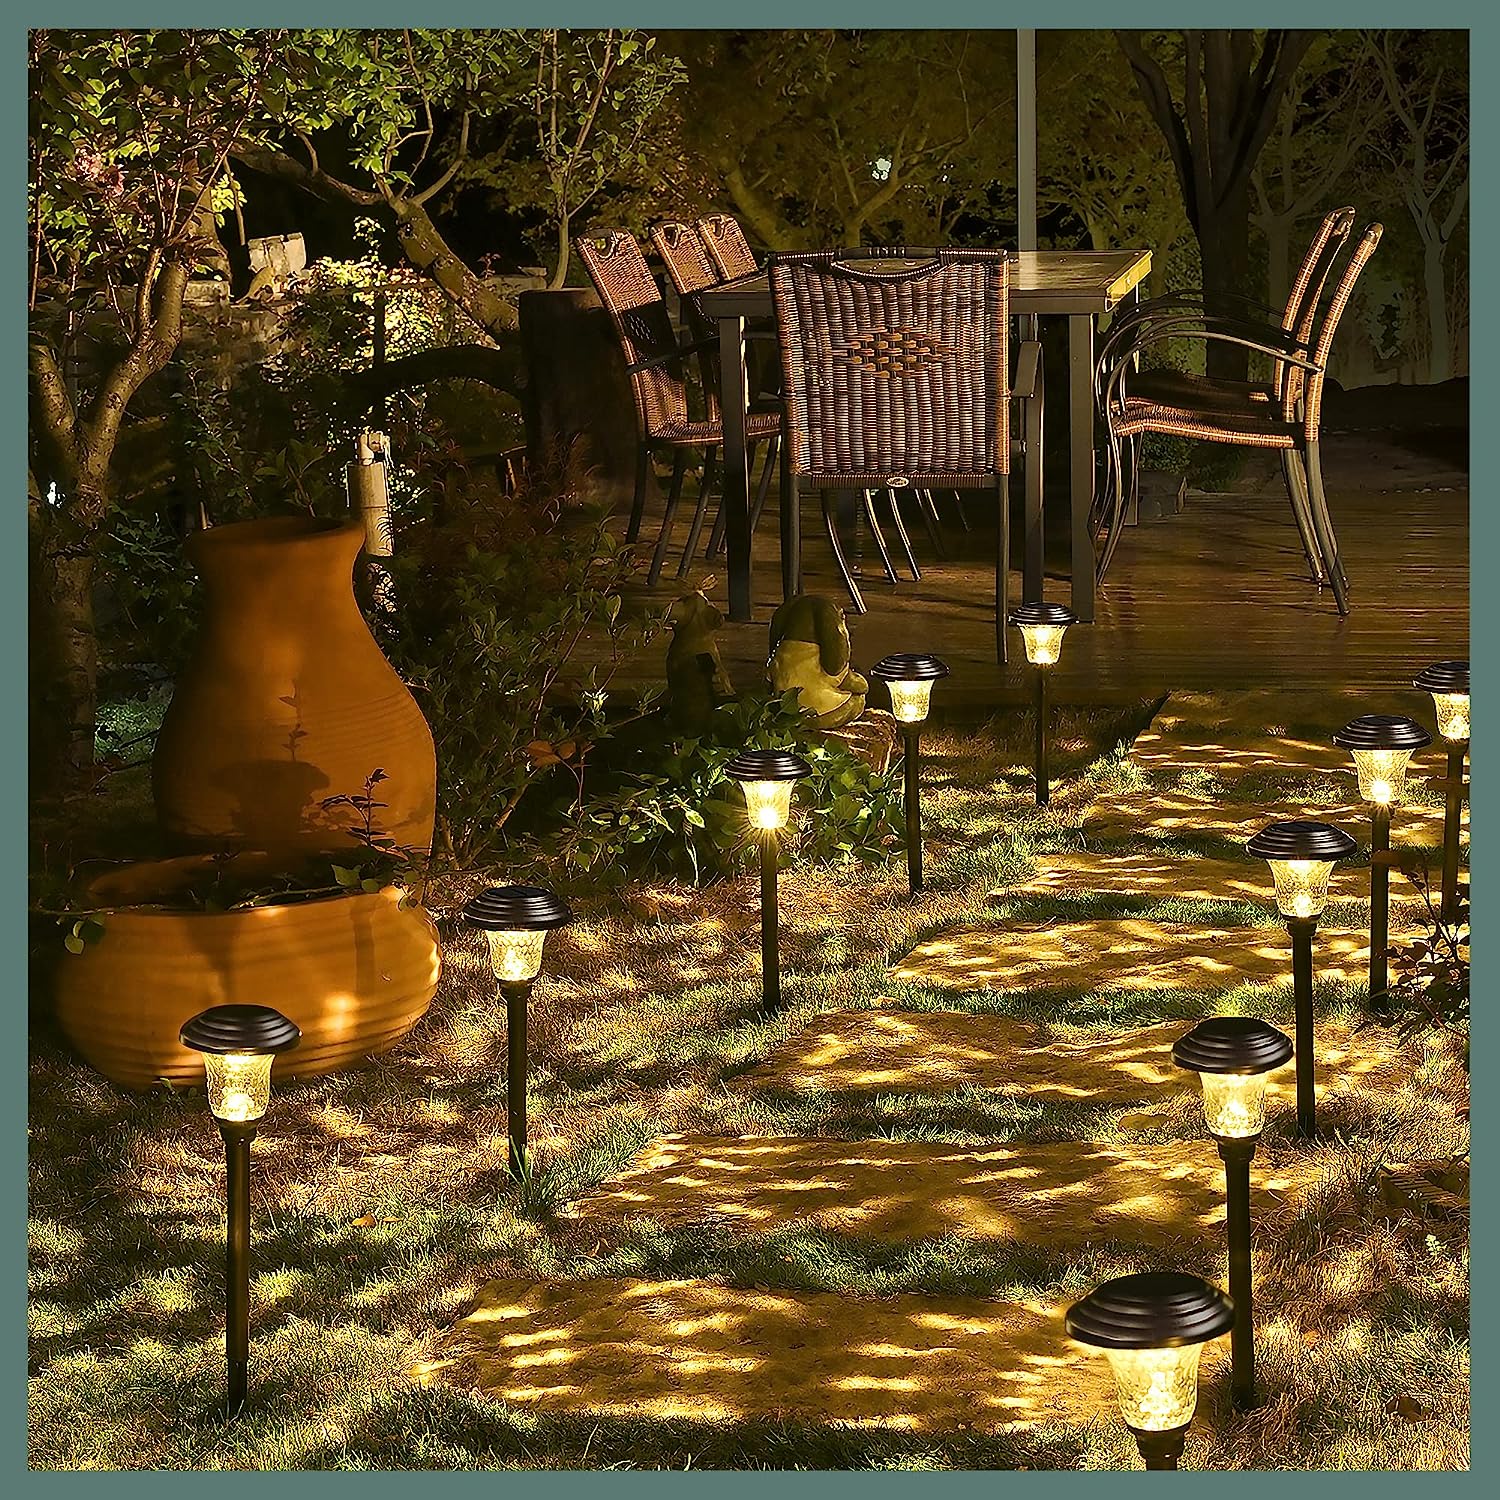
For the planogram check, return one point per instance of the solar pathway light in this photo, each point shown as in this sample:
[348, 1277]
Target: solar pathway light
[767, 777]
[1152, 1327]
[1302, 855]
[1234, 1057]
[1042, 627]
[238, 1043]
[1448, 682]
[910, 678]
[516, 919]
[1381, 744]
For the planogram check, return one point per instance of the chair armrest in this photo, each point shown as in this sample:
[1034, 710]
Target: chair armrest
[657, 361]
[1224, 332]
[1027, 381]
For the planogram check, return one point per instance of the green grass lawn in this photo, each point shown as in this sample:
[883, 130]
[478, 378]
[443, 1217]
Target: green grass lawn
[381, 1202]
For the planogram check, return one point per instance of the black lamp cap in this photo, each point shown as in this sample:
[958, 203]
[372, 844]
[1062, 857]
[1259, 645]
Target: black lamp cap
[1299, 838]
[1232, 1044]
[255, 1029]
[516, 908]
[1382, 732]
[1444, 677]
[1151, 1310]
[909, 666]
[767, 765]
[1042, 614]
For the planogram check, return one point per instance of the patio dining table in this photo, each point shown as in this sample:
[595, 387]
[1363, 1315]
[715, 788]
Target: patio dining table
[1080, 285]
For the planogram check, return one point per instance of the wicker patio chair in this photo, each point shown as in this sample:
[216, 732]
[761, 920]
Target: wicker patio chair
[1227, 311]
[1221, 412]
[728, 246]
[899, 376]
[691, 269]
[654, 362]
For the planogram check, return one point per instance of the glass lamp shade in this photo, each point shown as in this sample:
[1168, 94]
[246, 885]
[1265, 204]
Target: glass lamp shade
[1042, 627]
[1152, 1327]
[239, 1044]
[1448, 682]
[1234, 1057]
[1301, 855]
[767, 777]
[909, 677]
[1157, 1388]
[1381, 745]
[516, 919]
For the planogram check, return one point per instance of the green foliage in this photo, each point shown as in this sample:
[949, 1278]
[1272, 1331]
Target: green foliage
[492, 602]
[152, 590]
[1429, 975]
[675, 813]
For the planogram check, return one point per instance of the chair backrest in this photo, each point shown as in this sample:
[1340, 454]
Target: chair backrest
[635, 305]
[895, 372]
[728, 246]
[1343, 290]
[685, 255]
[1306, 292]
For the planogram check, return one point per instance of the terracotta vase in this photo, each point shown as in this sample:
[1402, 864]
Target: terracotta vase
[355, 972]
[288, 702]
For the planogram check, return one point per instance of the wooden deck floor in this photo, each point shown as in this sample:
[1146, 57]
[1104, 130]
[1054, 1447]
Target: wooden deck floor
[1216, 597]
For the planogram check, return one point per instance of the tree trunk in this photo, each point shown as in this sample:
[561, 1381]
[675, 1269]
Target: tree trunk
[1440, 358]
[1224, 241]
[1278, 233]
[63, 659]
[429, 252]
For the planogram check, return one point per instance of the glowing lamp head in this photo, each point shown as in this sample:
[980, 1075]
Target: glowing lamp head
[1234, 1057]
[516, 919]
[1152, 1326]
[1042, 627]
[1301, 854]
[1381, 745]
[910, 678]
[767, 777]
[1448, 682]
[239, 1043]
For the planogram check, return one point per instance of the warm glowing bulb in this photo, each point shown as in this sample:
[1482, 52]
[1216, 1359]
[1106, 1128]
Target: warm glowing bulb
[1452, 715]
[1234, 1104]
[769, 802]
[515, 956]
[1301, 885]
[910, 700]
[1043, 643]
[1158, 1388]
[239, 1084]
[1382, 774]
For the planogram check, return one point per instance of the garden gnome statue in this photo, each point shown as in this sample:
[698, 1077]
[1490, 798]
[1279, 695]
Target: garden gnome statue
[696, 680]
[810, 652]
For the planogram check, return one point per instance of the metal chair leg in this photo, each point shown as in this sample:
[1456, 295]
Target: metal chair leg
[963, 516]
[638, 501]
[1002, 569]
[773, 454]
[1034, 573]
[710, 465]
[905, 541]
[927, 509]
[838, 554]
[1295, 478]
[674, 494]
[1117, 509]
[1323, 526]
[879, 537]
[791, 527]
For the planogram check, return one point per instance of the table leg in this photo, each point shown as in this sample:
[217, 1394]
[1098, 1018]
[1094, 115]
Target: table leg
[1081, 459]
[1033, 577]
[734, 398]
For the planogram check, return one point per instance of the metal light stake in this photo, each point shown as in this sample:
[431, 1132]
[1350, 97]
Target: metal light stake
[1234, 1057]
[516, 919]
[1152, 1326]
[1302, 854]
[1381, 744]
[1448, 682]
[239, 1043]
[1042, 627]
[910, 677]
[767, 777]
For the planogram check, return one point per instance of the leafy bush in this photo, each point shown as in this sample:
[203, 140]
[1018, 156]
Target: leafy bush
[1429, 975]
[675, 813]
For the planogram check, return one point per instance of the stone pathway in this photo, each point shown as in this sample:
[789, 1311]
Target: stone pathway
[706, 1352]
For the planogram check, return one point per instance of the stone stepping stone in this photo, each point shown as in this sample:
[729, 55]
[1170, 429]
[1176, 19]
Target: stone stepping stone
[1270, 732]
[1062, 1195]
[895, 1051]
[1122, 954]
[701, 1352]
[1133, 816]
